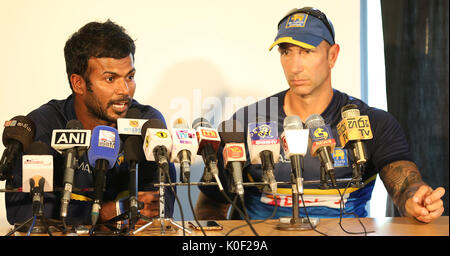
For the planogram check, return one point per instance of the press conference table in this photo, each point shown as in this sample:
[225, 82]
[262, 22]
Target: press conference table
[386, 226]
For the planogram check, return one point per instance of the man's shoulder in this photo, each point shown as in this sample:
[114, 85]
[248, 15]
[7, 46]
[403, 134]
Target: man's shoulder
[147, 111]
[51, 112]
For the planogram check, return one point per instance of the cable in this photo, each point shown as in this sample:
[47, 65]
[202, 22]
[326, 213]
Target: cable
[240, 212]
[31, 226]
[307, 216]
[64, 225]
[342, 211]
[166, 170]
[257, 222]
[192, 208]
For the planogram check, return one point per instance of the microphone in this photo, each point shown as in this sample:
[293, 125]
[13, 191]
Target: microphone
[157, 142]
[18, 134]
[72, 142]
[352, 130]
[102, 154]
[131, 124]
[130, 130]
[234, 156]
[322, 143]
[295, 144]
[264, 148]
[208, 145]
[184, 147]
[37, 174]
[133, 154]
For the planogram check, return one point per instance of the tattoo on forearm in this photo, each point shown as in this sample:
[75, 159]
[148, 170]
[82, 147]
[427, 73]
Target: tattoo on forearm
[401, 179]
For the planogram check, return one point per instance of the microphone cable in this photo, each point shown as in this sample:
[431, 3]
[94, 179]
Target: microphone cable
[274, 212]
[307, 216]
[192, 208]
[342, 211]
[240, 212]
[31, 226]
[166, 170]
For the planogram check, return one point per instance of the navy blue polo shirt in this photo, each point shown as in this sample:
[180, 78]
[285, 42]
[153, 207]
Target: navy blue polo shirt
[54, 115]
[389, 144]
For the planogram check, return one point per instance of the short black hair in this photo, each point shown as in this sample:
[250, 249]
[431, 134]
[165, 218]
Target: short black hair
[99, 40]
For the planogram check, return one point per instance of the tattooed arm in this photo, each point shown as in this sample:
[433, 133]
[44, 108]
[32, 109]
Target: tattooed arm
[412, 196]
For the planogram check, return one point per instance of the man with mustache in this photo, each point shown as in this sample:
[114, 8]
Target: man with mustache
[100, 70]
[308, 53]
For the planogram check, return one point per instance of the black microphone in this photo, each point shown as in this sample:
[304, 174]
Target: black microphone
[133, 154]
[232, 136]
[72, 142]
[18, 134]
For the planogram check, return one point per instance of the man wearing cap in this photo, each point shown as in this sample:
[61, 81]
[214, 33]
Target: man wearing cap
[308, 53]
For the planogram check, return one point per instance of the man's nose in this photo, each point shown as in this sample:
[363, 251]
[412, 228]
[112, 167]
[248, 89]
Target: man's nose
[122, 87]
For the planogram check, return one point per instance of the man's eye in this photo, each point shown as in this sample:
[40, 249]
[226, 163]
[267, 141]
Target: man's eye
[130, 77]
[284, 52]
[110, 79]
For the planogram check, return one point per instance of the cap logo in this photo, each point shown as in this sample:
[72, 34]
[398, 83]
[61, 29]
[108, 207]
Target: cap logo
[297, 20]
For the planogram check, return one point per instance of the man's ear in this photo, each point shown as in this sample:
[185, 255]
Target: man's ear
[333, 53]
[78, 84]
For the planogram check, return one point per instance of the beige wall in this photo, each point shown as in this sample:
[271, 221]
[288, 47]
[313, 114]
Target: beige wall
[190, 54]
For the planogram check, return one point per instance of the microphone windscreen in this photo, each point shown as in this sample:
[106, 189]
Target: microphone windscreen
[349, 111]
[133, 149]
[38, 148]
[152, 123]
[105, 144]
[348, 106]
[21, 129]
[231, 131]
[314, 121]
[180, 123]
[74, 124]
[203, 122]
[133, 113]
[292, 122]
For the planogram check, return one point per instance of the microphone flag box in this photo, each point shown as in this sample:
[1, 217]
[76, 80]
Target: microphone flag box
[234, 152]
[263, 136]
[69, 138]
[156, 137]
[37, 165]
[207, 135]
[321, 137]
[183, 139]
[130, 126]
[354, 128]
[295, 141]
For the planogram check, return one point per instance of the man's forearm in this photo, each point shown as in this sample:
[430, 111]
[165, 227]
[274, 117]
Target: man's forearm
[401, 179]
[207, 209]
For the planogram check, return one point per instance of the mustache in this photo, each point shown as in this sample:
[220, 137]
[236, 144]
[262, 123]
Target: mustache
[123, 99]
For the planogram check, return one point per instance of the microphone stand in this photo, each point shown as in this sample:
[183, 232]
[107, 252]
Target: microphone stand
[357, 176]
[297, 222]
[132, 215]
[38, 213]
[163, 168]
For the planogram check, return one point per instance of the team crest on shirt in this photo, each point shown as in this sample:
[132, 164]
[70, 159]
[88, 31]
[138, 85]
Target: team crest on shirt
[297, 20]
[340, 157]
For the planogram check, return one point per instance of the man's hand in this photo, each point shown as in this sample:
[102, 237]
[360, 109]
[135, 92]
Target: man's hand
[151, 204]
[426, 204]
